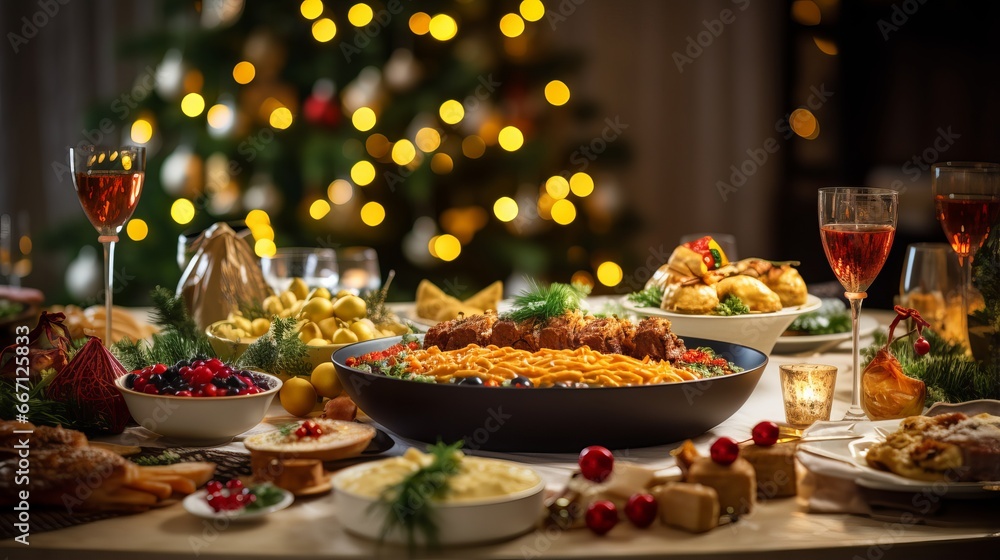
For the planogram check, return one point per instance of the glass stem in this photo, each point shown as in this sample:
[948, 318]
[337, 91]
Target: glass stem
[856, 412]
[109, 277]
[965, 266]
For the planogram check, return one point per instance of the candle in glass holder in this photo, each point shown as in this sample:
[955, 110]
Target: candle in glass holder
[807, 390]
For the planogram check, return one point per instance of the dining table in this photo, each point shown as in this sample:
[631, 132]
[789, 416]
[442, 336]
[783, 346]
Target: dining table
[310, 528]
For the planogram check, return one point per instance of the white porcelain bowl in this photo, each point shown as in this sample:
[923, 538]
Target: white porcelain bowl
[759, 331]
[459, 523]
[199, 420]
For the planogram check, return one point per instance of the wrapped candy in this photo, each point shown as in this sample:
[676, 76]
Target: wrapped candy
[887, 392]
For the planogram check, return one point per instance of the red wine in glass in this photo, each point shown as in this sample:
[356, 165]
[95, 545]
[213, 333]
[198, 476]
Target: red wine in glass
[966, 219]
[856, 252]
[109, 197]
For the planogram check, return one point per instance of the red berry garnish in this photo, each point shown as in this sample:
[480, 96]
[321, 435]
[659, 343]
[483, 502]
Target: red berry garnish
[222, 393]
[921, 346]
[184, 393]
[213, 487]
[601, 516]
[596, 463]
[214, 364]
[159, 368]
[725, 451]
[201, 375]
[301, 432]
[641, 510]
[234, 484]
[210, 390]
[139, 384]
[765, 433]
[151, 389]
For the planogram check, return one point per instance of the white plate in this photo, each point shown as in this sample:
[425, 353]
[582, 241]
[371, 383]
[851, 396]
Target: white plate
[195, 504]
[853, 451]
[812, 303]
[791, 344]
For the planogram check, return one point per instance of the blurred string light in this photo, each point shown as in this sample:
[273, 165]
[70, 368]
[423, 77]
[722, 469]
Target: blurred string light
[563, 212]
[511, 25]
[420, 23]
[403, 152]
[556, 93]
[324, 30]
[451, 112]
[826, 46]
[505, 209]
[609, 273]
[372, 214]
[363, 119]
[557, 187]
[256, 218]
[360, 15]
[192, 104]
[442, 164]
[363, 173]
[182, 211]
[377, 145]
[311, 9]
[142, 131]
[532, 10]
[473, 147]
[220, 117]
[427, 139]
[544, 206]
[443, 27]
[582, 277]
[244, 72]
[280, 118]
[447, 247]
[319, 209]
[804, 123]
[581, 184]
[265, 248]
[137, 229]
[340, 192]
[510, 138]
[806, 12]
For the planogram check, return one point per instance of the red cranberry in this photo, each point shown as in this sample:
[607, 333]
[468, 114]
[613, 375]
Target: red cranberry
[601, 516]
[725, 451]
[182, 394]
[921, 346]
[198, 393]
[234, 484]
[202, 375]
[159, 368]
[222, 393]
[151, 389]
[139, 384]
[596, 463]
[765, 433]
[641, 510]
[301, 432]
[213, 487]
[210, 390]
[214, 364]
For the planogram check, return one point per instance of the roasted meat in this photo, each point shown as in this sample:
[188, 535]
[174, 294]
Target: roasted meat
[654, 338]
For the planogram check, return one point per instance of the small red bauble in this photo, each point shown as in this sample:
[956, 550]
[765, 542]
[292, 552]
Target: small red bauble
[596, 463]
[725, 451]
[765, 433]
[921, 346]
[641, 510]
[601, 516]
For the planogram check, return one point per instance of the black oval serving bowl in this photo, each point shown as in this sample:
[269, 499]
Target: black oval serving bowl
[551, 419]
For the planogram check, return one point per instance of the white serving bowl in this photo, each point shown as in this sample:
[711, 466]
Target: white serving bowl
[199, 420]
[459, 523]
[759, 331]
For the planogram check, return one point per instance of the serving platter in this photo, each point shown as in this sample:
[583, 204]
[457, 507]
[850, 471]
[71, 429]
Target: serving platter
[551, 419]
[196, 505]
[812, 303]
[799, 344]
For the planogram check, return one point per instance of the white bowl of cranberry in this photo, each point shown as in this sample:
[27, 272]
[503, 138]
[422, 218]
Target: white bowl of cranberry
[198, 401]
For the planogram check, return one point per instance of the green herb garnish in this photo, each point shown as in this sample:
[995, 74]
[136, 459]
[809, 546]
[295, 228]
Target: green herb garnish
[731, 305]
[543, 303]
[267, 495]
[375, 302]
[165, 458]
[409, 505]
[650, 297]
[10, 308]
[279, 350]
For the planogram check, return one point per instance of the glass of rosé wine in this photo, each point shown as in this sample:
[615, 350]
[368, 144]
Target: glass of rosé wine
[108, 182]
[966, 202]
[857, 225]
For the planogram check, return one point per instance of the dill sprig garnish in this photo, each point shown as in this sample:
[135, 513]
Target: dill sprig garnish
[649, 297]
[378, 313]
[166, 458]
[543, 303]
[409, 504]
[278, 351]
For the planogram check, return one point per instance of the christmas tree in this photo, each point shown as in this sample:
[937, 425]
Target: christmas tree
[441, 133]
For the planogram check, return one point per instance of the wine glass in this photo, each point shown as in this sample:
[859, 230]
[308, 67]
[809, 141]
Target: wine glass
[108, 182]
[966, 201]
[359, 270]
[857, 225]
[929, 284]
[316, 267]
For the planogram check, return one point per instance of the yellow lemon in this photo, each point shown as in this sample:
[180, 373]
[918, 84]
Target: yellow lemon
[309, 331]
[324, 379]
[344, 336]
[298, 396]
[287, 299]
[260, 326]
[320, 292]
[364, 331]
[317, 309]
[299, 288]
[349, 308]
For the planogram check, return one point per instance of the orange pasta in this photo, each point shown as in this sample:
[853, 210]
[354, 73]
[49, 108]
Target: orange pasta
[544, 367]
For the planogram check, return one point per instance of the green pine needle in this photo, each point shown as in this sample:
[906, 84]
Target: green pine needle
[278, 351]
[543, 303]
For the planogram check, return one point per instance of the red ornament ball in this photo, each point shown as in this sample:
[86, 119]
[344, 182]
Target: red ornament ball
[596, 463]
[921, 346]
[725, 451]
[641, 510]
[765, 433]
[601, 516]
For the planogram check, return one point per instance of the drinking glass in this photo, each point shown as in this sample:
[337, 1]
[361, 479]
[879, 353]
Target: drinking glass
[359, 270]
[108, 182]
[929, 283]
[316, 267]
[857, 225]
[966, 202]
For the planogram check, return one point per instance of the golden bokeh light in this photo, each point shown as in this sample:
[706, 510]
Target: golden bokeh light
[403, 152]
[532, 10]
[363, 173]
[182, 211]
[25, 244]
[451, 111]
[324, 30]
[581, 184]
[377, 145]
[505, 209]
[447, 247]
[563, 212]
[142, 131]
[372, 214]
[244, 72]
[582, 277]
[825, 46]
[806, 12]
[319, 209]
[257, 217]
[557, 187]
[311, 9]
[804, 123]
[427, 139]
[544, 206]
[473, 147]
[192, 104]
[262, 231]
[265, 248]
[609, 273]
[442, 164]
[557, 92]
[510, 138]
[360, 15]
[511, 25]
[220, 116]
[430, 246]
[137, 229]
[340, 192]
[281, 118]
[363, 119]
[420, 23]
[443, 27]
